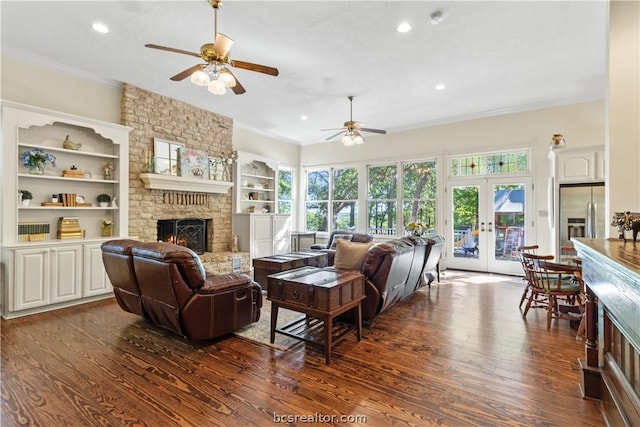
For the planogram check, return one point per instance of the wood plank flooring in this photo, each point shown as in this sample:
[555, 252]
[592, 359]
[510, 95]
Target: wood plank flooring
[458, 355]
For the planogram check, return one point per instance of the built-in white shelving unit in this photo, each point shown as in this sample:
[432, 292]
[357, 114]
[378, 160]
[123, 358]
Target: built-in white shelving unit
[41, 271]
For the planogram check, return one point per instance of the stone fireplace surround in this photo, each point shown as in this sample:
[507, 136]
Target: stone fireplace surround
[154, 116]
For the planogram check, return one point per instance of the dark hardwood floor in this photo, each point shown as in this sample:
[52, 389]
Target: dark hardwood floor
[459, 355]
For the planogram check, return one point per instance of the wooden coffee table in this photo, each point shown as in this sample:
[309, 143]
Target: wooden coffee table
[263, 267]
[321, 294]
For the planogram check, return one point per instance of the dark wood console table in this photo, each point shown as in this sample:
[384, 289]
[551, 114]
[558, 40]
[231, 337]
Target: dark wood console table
[611, 369]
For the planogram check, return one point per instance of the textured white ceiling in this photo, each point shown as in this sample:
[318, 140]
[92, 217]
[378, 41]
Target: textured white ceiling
[493, 57]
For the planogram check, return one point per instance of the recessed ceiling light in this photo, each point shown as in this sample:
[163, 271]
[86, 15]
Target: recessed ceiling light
[303, 117]
[404, 27]
[436, 17]
[100, 27]
[440, 86]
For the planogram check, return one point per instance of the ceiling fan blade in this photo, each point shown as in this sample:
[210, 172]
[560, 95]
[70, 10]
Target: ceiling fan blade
[333, 136]
[222, 45]
[238, 89]
[322, 130]
[374, 130]
[186, 73]
[172, 49]
[255, 67]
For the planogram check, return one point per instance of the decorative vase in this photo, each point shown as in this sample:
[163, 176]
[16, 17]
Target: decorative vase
[219, 174]
[106, 230]
[103, 204]
[26, 202]
[37, 169]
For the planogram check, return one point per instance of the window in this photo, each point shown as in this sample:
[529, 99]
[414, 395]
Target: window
[419, 194]
[490, 164]
[344, 199]
[382, 204]
[317, 200]
[285, 190]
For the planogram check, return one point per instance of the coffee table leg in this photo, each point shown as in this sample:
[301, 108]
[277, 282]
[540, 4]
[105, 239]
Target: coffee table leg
[274, 321]
[328, 324]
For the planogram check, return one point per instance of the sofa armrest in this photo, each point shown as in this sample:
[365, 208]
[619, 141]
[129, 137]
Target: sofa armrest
[224, 282]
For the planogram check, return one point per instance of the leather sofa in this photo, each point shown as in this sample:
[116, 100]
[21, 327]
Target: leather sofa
[330, 247]
[167, 284]
[395, 269]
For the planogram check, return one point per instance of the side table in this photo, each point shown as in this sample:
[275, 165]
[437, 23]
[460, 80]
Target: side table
[321, 294]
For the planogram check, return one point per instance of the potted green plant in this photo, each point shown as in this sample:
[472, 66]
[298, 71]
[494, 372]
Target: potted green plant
[25, 197]
[103, 200]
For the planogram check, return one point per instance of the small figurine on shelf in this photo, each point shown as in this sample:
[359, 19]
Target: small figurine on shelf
[113, 203]
[71, 145]
[107, 171]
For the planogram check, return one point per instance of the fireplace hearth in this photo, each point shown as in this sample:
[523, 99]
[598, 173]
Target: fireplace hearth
[189, 232]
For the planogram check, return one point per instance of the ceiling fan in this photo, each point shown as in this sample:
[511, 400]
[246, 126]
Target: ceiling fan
[352, 129]
[214, 72]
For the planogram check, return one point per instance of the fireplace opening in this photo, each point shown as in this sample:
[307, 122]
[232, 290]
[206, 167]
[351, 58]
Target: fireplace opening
[189, 232]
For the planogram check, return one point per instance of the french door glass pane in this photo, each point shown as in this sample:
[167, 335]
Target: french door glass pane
[508, 208]
[465, 221]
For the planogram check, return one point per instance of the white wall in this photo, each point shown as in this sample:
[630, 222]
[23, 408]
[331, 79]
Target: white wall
[581, 124]
[623, 125]
[58, 90]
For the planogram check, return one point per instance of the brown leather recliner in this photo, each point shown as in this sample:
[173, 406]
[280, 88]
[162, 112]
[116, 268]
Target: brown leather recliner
[177, 294]
[118, 262]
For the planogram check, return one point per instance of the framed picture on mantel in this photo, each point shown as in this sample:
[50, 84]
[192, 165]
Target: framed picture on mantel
[193, 163]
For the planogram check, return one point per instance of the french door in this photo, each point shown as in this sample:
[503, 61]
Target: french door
[487, 219]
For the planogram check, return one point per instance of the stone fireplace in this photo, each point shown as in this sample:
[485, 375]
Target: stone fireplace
[154, 116]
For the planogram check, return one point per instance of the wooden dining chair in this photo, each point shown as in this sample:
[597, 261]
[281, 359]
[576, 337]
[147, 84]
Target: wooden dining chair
[531, 249]
[555, 282]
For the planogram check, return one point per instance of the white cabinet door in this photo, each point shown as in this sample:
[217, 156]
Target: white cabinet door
[281, 234]
[31, 285]
[95, 281]
[580, 165]
[66, 273]
[262, 232]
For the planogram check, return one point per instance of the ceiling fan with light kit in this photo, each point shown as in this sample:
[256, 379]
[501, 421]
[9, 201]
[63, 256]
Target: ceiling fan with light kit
[214, 73]
[352, 129]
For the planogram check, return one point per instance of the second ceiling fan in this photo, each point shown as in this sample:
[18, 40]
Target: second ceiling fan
[352, 129]
[214, 72]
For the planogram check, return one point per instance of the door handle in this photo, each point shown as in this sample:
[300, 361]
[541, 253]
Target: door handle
[482, 226]
[490, 225]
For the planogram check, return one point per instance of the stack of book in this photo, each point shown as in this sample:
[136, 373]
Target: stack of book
[68, 199]
[69, 228]
[31, 231]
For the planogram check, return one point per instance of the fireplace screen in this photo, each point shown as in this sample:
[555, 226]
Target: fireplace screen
[189, 232]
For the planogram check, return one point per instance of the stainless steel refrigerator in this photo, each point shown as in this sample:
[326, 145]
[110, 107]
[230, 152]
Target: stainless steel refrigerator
[581, 212]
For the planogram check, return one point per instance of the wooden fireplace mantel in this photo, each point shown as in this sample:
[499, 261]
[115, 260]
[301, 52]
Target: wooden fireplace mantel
[180, 183]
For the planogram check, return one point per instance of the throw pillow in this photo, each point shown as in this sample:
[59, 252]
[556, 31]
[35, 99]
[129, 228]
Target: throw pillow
[337, 237]
[350, 255]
